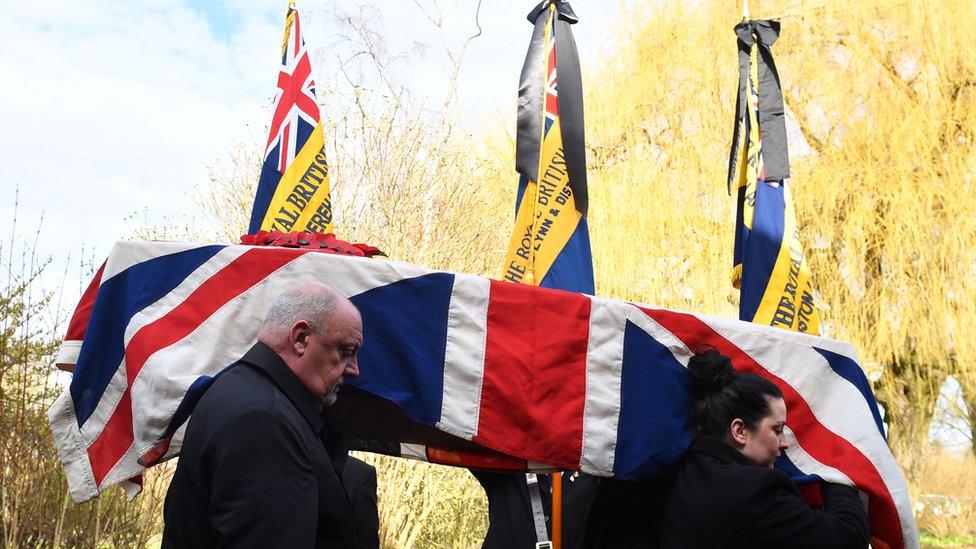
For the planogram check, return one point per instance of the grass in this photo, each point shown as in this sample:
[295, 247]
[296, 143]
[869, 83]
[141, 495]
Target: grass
[944, 495]
[930, 541]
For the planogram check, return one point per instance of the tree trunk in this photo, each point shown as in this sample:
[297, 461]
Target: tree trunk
[909, 393]
[968, 384]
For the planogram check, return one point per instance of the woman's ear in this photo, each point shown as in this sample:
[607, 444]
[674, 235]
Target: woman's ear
[737, 430]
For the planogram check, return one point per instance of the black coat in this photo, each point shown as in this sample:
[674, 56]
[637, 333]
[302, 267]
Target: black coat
[255, 467]
[620, 514]
[359, 479]
[510, 520]
[719, 498]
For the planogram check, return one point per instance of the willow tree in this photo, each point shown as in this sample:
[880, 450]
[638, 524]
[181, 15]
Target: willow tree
[882, 103]
[898, 272]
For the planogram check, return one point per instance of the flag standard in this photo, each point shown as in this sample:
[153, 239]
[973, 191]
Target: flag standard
[769, 267]
[550, 245]
[293, 192]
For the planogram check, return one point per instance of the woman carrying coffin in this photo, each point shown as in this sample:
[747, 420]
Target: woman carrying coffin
[726, 493]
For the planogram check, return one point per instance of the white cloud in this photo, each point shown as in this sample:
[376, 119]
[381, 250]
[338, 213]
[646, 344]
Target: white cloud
[118, 107]
[115, 107]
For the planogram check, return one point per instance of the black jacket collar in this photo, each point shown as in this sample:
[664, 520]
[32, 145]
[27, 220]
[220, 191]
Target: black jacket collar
[720, 451]
[270, 363]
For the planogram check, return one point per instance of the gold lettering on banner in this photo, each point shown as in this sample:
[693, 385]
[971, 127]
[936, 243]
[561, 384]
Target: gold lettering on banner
[514, 272]
[301, 195]
[786, 314]
[286, 220]
[553, 180]
[545, 220]
[806, 311]
[321, 218]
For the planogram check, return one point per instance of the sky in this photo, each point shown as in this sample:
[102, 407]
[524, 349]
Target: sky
[114, 112]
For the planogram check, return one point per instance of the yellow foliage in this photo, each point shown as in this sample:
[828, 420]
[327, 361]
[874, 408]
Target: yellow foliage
[885, 96]
[425, 505]
[884, 93]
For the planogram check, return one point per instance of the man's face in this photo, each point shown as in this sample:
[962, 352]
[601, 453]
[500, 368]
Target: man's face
[331, 356]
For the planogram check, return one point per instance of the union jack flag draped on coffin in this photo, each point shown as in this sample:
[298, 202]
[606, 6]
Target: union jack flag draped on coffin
[293, 192]
[475, 367]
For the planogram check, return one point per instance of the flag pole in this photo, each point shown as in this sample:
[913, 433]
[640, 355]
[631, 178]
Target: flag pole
[557, 510]
[745, 10]
[557, 477]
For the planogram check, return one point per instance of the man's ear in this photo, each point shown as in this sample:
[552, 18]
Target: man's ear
[737, 430]
[299, 337]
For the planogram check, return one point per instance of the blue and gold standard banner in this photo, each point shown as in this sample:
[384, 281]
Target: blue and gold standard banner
[768, 266]
[550, 245]
[293, 193]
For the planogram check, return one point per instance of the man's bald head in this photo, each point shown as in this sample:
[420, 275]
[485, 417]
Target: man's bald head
[312, 302]
[317, 332]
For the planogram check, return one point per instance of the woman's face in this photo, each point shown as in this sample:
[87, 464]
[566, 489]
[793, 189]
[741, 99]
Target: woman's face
[767, 441]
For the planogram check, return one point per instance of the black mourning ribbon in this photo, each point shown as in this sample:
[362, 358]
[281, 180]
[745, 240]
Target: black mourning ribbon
[772, 118]
[532, 81]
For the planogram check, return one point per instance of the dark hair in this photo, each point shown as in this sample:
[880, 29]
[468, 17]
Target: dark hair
[722, 395]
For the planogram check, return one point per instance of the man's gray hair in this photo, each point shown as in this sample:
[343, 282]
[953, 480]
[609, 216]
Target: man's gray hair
[313, 305]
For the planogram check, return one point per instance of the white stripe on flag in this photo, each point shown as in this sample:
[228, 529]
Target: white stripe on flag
[127, 254]
[604, 368]
[161, 307]
[464, 357]
[71, 449]
[68, 353]
[125, 468]
[604, 362]
[348, 275]
[169, 372]
[675, 346]
[809, 465]
[837, 404]
[105, 406]
[194, 280]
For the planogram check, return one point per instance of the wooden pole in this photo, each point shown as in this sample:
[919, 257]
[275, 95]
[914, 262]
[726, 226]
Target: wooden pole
[557, 510]
[557, 477]
[745, 10]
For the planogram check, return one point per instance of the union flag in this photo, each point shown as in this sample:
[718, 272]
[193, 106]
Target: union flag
[293, 192]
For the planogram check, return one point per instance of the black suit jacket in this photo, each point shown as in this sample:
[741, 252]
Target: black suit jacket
[510, 521]
[719, 498]
[615, 513]
[254, 469]
[359, 479]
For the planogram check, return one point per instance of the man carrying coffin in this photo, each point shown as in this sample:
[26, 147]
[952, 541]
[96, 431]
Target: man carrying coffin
[258, 466]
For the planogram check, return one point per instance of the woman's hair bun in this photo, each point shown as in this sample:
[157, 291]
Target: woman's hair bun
[710, 372]
[722, 394]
